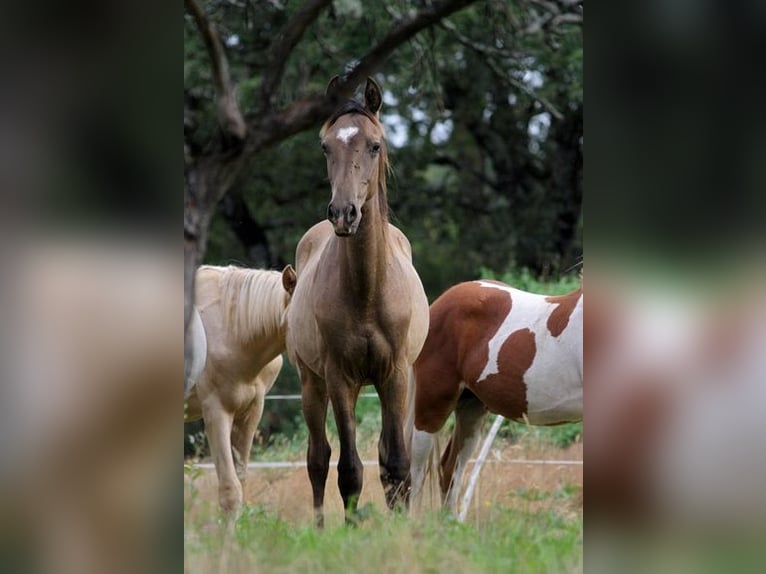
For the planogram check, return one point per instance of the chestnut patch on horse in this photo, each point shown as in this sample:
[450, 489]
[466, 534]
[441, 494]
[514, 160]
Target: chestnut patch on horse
[565, 306]
[485, 311]
[506, 390]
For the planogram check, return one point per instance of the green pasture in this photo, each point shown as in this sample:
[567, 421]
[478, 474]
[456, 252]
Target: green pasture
[507, 541]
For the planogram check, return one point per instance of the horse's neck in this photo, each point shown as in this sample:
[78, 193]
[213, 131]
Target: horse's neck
[364, 256]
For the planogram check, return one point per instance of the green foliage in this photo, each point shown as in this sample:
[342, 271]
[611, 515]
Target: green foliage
[526, 281]
[560, 436]
[485, 174]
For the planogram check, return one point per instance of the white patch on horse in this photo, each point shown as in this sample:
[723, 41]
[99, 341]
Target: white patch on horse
[345, 134]
[554, 380]
[526, 313]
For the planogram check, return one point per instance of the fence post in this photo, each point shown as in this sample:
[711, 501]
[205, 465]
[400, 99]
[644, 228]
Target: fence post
[477, 467]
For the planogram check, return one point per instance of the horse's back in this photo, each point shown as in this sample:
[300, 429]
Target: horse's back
[508, 346]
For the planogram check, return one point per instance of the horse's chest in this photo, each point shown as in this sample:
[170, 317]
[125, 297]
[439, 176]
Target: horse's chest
[363, 350]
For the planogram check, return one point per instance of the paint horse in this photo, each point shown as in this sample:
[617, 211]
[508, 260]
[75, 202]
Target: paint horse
[243, 317]
[359, 314]
[493, 347]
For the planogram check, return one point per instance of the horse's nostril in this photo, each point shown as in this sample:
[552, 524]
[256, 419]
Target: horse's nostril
[332, 214]
[351, 213]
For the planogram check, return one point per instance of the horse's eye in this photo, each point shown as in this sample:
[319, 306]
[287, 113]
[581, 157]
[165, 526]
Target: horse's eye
[324, 148]
[375, 148]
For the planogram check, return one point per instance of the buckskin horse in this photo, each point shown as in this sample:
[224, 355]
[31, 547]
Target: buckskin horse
[491, 347]
[359, 314]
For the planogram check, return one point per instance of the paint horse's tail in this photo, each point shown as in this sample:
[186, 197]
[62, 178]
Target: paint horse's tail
[409, 419]
[429, 486]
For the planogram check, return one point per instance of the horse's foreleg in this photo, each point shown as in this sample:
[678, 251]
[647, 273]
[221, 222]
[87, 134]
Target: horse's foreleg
[436, 394]
[314, 406]
[392, 452]
[218, 425]
[470, 414]
[343, 394]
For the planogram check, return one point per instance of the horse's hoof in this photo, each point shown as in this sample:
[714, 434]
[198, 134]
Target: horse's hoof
[360, 515]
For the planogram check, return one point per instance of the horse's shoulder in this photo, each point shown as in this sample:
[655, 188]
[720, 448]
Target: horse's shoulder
[399, 240]
[316, 236]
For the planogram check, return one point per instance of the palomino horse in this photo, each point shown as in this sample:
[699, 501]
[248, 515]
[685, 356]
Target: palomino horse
[359, 314]
[493, 347]
[243, 314]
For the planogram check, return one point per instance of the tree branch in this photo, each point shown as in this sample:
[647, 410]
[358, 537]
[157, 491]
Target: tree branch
[554, 14]
[283, 45]
[301, 115]
[430, 15]
[229, 115]
[488, 54]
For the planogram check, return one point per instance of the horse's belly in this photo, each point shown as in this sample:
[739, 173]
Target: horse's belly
[554, 394]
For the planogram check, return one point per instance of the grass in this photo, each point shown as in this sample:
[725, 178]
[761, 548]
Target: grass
[507, 541]
[537, 532]
[537, 529]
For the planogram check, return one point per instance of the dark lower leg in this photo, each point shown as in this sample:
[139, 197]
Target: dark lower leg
[350, 470]
[393, 455]
[314, 405]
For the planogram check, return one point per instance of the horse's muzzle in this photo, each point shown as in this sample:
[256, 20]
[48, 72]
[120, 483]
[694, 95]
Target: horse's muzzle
[345, 221]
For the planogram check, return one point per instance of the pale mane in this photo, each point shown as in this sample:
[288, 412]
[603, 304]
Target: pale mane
[253, 302]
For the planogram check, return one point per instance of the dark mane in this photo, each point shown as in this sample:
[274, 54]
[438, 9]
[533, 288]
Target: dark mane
[351, 107]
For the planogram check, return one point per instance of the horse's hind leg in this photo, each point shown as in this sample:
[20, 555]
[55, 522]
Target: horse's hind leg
[243, 433]
[218, 426]
[246, 426]
[470, 414]
[314, 406]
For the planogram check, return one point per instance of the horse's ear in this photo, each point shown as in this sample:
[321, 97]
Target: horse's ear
[372, 97]
[332, 86]
[289, 279]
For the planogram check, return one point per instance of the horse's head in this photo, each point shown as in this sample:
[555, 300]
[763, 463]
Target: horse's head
[354, 145]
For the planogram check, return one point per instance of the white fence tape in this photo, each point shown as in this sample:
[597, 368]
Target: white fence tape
[333, 463]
